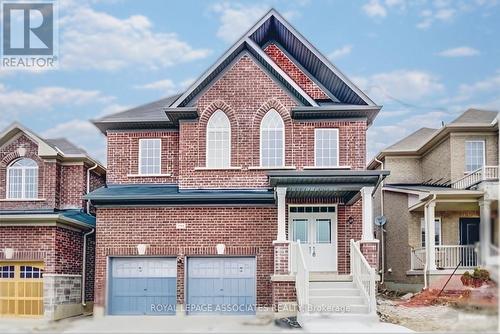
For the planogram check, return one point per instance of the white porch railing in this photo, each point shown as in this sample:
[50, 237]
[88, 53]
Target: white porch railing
[484, 173]
[363, 275]
[447, 257]
[301, 278]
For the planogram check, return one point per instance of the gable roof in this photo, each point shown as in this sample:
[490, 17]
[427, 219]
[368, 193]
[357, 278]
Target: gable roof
[273, 27]
[424, 138]
[53, 148]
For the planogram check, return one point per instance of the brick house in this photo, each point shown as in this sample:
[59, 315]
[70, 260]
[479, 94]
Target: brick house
[448, 176]
[244, 190]
[46, 231]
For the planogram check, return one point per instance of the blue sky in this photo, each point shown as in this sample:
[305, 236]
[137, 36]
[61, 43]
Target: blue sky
[425, 61]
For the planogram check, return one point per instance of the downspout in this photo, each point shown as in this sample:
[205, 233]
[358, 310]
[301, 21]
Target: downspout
[84, 264]
[88, 184]
[427, 237]
[84, 303]
[382, 244]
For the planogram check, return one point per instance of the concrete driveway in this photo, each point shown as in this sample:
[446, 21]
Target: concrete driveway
[191, 324]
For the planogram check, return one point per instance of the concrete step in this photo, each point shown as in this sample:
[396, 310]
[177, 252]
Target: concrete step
[337, 300]
[332, 285]
[328, 276]
[334, 292]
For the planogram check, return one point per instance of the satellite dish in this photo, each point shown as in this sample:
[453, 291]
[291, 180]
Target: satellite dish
[380, 221]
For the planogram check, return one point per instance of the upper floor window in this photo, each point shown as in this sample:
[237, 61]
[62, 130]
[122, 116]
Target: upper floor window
[218, 140]
[326, 147]
[272, 140]
[22, 176]
[149, 156]
[474, 155]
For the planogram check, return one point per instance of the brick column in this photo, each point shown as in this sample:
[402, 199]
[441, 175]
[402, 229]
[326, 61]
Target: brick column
[281, 258]
[369, 249]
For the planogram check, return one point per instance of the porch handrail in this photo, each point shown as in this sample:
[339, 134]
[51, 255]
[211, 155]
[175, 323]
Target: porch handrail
[447, 256]
[301, 279]
[481, 174]
[363, 275]
[417, 258]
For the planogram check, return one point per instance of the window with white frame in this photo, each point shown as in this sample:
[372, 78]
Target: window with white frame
[22, 178]
[474, 155]
[326, 147]
[437, 231]
[272, 140]
[150, 156]
[218, 140]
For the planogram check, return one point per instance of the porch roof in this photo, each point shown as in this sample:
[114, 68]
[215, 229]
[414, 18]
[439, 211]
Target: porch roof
[74, 217]
[344, 185]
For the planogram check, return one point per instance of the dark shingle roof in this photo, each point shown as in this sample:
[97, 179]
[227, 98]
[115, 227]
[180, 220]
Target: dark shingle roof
[414, 141]
[475, 116]
[65, 146]
[171, 194]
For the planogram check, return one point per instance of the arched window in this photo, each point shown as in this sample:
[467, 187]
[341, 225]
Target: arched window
[22, 176]
[218, 141]
[272, 140]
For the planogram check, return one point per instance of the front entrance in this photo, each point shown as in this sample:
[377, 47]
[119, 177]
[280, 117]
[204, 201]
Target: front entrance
[21, 289]
[469, 235]
[316, 229]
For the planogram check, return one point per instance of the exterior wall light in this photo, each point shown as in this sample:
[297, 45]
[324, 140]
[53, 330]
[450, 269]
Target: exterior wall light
[221, 248]
[141, 249]
[8, 253]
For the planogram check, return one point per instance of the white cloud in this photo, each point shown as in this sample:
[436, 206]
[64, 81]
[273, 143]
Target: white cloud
[81, 133]
[341, 52]
[16, 102]
[97, 40]
[374, 8]
[409, 85]
[462, 51]
[236, 18]
[166, 86]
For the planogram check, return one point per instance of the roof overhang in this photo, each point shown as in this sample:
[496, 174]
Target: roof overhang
[170, 195]
[336, 111]
[27, 218]
[342, 185]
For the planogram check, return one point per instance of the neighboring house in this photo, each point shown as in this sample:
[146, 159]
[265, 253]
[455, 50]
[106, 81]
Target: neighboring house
[44, 221]
[208, 192]
[444, 184]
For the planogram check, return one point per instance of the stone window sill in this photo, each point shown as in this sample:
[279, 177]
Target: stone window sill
[149, 175]
[327, 167]
[218, 168]
[22, 200]
[271, 168]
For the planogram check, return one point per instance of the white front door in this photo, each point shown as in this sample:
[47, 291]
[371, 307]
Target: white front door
[317, 233]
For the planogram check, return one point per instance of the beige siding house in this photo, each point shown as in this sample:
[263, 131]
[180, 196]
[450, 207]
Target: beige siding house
[444, 183]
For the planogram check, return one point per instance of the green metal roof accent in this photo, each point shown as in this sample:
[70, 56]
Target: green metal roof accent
[344, 185]
[152, 194]
[71, 215]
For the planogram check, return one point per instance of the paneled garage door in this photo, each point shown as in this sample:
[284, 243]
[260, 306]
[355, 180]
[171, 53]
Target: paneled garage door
[142, 286]
[21, 289]
[221, 285]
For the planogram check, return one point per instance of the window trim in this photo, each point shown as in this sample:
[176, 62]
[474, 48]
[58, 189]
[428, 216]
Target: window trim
[282, 140]
[23, 190]
[140, 158]
[336, 130]
[422, 224]
[483, 142]
[206, 142]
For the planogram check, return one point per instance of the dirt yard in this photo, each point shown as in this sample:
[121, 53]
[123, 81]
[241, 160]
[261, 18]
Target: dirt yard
[424, 312]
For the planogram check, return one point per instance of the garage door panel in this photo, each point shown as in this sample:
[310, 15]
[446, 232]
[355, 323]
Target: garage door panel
[221, 285]
[143, 286]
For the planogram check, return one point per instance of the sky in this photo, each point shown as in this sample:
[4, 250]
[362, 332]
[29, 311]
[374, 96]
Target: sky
[424, 61]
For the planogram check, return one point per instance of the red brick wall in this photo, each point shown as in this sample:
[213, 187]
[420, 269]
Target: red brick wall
[60, 248]
[245, 93]
[294, 72]
[73, 185]
[283, 292]
[370, 252]
[47, 172]
[244, 231]
[123, 156]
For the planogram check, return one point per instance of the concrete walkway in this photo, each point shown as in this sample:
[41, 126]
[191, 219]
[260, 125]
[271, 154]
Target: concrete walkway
[191, 324]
